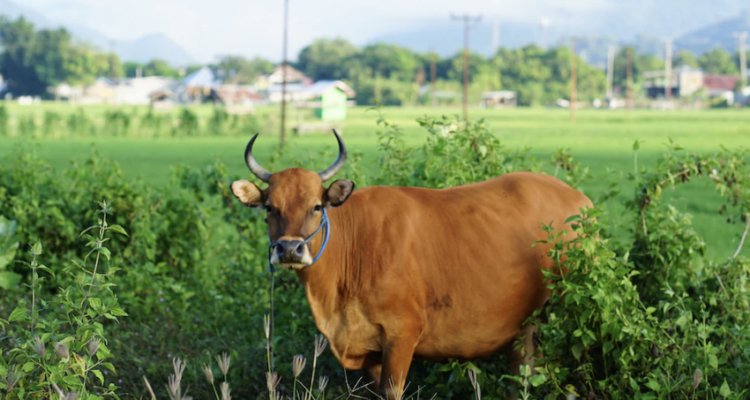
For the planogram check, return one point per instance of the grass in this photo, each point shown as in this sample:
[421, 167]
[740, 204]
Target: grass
[600, 139]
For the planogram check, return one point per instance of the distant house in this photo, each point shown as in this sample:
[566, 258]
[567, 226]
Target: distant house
[66, 92]
[722, 86]
[327, 97]
[293, 76]
[238, 99]
[197, 86]
[138, 90]
[161, 99]
[295, 92]
[102, 91]
[499, 99]
[330, 99]
[684, 81]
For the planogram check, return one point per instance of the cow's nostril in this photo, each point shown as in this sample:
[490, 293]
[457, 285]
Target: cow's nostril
[300, 249]
[280, 248]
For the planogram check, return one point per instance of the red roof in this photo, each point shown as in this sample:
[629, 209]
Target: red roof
[720, 82]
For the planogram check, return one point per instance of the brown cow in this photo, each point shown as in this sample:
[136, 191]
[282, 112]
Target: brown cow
[411, 272]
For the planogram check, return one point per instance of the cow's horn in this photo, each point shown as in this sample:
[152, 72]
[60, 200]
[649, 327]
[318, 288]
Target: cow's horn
[329, 172]
[259, 171]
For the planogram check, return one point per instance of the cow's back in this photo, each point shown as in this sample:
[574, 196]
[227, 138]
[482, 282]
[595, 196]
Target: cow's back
[460, 260]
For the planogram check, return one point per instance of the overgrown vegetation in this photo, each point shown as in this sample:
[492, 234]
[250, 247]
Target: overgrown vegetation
[641, 312]
[127, 122]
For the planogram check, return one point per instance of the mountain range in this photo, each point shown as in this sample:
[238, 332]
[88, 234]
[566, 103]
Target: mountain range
[142, 50]
[697, 33]
[695, 25]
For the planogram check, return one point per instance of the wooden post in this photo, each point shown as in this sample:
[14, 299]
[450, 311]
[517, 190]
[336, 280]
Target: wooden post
[466, 71]
[573, 84]
[283, 74]
[668, 71]
[467, 22]
[741, 36]
[433, 72]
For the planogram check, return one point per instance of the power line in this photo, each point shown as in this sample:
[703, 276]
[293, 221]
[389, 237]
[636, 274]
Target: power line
[467, 20]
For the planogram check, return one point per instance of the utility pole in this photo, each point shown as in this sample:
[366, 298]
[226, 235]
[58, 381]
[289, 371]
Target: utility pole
[630, 80]
[284, 68]
[467, 20]
[495, 36]
[573, 84]
[668, 71]
[544, 22]
[610, 70]
[741, 36]
[433, 73]
[112, 71]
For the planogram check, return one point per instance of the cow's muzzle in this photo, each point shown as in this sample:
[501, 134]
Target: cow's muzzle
[291, 254]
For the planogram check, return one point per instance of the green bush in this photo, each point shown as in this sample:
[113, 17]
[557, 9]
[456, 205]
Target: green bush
[4, 121]
[640, 313]
[117, 122]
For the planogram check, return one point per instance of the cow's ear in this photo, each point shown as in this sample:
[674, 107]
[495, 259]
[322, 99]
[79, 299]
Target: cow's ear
[338, 192]
[247, 193]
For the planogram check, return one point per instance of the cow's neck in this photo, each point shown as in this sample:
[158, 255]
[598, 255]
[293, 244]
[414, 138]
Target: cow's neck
[331, 281]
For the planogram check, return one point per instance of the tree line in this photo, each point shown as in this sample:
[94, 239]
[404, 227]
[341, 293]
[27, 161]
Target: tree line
[33, 60]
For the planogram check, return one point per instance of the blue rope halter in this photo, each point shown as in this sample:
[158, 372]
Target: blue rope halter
[324, 221]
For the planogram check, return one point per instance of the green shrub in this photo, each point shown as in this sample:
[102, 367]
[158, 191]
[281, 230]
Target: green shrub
[188, 123]
[4, 121]
[116, 122]
[58, 344]
[639, 311]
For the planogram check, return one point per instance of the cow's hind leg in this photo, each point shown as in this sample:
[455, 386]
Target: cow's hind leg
[522, 352]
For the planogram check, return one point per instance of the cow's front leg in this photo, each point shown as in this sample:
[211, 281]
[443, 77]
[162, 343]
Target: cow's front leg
[397, 356]
[374, 372]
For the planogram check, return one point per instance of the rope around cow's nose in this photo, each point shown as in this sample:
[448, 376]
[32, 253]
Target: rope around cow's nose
[324, 221]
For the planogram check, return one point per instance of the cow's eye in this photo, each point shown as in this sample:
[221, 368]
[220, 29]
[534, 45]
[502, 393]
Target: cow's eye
[317, 208]
[269, 209]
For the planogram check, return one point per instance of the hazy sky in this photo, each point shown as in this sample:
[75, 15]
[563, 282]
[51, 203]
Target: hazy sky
[253, 27]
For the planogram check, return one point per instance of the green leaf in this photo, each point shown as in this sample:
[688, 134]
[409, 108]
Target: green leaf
[713, 361]
[18, 314]
[28, 367]
[118, 229]
[99, 375]
[44, 268]
[118, 312]
[537, 380]
[653, 385]
[88, 229]
[109, 366]
[36, 249]
[9, 280]
[72, 381]
[725, 391]
[105, 251]
[636, 145]
[95, 303]
[577, 350]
